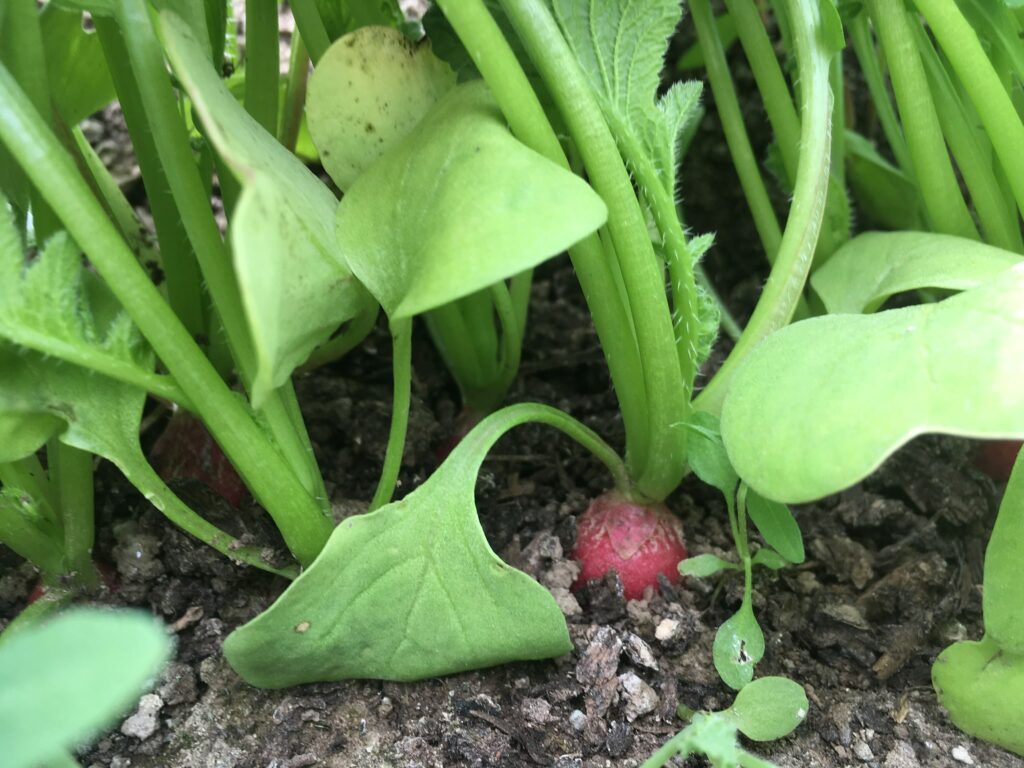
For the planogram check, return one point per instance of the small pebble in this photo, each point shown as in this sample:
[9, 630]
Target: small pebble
[667, 630]
[536, 710]
[863, 751]
[640, 697]
[578, 720]
[144, 722]
[961, 755]
[386, 707]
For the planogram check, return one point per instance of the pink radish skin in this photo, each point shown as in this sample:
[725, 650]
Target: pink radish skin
[996, 457]
[637, 541]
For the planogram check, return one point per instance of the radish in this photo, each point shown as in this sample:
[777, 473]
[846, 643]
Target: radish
[995, 458]
[186, 450]
[638, 541]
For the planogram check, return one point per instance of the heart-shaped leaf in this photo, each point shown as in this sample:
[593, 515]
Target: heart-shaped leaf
[459, 205]
[820, 404]
[871, 267]
[296, 286]
[370, 90]
[769, 708]
[62, 681]
[414, 591]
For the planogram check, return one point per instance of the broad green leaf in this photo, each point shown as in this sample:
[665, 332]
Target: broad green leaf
[881, 190]
[713, 735]
[95, 7]
[458, 205]
[769, 558]
[23, 430]
[871, 267]
[295, 283]
[414, 592]
[702, 566]
[819, 405]
[982, 686]
[739, 645]
[77, 71]
[1003, 597]
[620, 45]
[342, 16]
[769, 708]
[777, 525]
[369, 91]
[64, 680]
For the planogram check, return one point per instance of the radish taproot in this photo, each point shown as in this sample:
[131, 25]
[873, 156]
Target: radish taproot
[638, 541]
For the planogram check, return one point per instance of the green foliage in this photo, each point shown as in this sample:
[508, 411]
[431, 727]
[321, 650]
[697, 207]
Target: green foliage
[415, 591]
[882, 191]
[295, 283]
[369, 91]
[705, 565]
[79, 78]
[777, 525]
[820, 404]
[738, 647]
[982, 683]
[769, 708]
[344, 16]
[496, 208]
[873, 266]
[62, 681]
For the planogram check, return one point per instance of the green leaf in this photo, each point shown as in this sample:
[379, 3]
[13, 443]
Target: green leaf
[369, 91]
[62, 681]
[769, 558]
[342, 16]
[820, 404]
[295, 283]
[777, 525]
[459, 205]
[95, 7]
[982, 686]
[884, 194]
[414, 592]
[1003, 597]
[80, 82]
[702, 566]
[707, 456]
[621, 45]
[871, 267]
[739, 645]
[769, 708]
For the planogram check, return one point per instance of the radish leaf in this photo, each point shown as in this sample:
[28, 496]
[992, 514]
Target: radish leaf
[769, 708]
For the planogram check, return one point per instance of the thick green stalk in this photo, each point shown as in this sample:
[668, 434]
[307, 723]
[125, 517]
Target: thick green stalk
[262, 68]
[642, 272]
[785, 285]
[294, 94]
[71, 472]
[728, 106]
[31, 542]
[944, 205]
[511, 341]
[401, 334]
[515, 96]
[181, 272]
[298, 516]
[995, 108]
[311, 27]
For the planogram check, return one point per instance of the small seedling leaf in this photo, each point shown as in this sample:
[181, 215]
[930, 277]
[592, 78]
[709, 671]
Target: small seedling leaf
[769, 558]
[871, 267]
[954, 366]
[296, 286]
[369, 91]
[702, 566]
[415, 592]
[62, 681]
[458, 205]
[777, 525]
[707, 455]
[739, 645]
[769, 708]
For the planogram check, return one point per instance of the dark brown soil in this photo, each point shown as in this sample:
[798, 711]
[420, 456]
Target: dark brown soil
[893, 576]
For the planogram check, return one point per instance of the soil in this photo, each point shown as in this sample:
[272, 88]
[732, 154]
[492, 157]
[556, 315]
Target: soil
[893, 575]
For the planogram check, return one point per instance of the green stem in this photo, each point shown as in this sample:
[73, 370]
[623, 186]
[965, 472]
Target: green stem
[29, 476]
[511, 341]
[867, 57]
[52, 601]
[727, 322]
[262, 67]
[71, 472]
[311, 27]
[743, 545]
[784, 288]
[401, 334]
[728, 106]
[178, 262]
[299, 518]
[349, 338]
[30, 536]
[994, 105]
[294, 94]
[515, 96]
[944, 205]
[641, 270]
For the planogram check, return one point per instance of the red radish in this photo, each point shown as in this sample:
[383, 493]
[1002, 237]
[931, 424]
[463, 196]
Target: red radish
[107, 574]
[637, 541]
[186, 450]
[996, 457]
